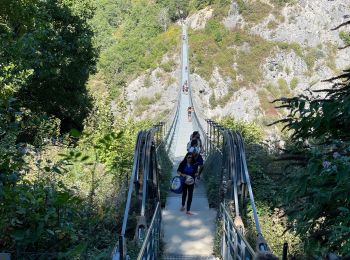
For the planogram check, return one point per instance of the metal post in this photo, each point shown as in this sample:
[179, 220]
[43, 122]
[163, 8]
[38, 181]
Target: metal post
[224, 247]
[214, 136]
[207, 137]
[285, 251]
[121, 247]
[218, 138]
[210, 136]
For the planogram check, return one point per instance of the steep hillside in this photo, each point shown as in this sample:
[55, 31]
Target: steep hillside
[243, 55]
[264, 50]
[246, 53]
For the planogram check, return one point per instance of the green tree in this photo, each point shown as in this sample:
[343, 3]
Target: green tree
[317, 193]
[177, 8]
[48, 51]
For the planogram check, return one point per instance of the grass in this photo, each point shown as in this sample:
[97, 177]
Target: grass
[283, 87]
[147, 82]
[223, 100]
[313, 82]
[279, 17]
[168, 66]
[213, 101]
[208, 51]
[265, 104]
[294, 83]
[345, 37]
[288, 70]
[310, 58]
[170, 80]
[249, 62]
[143, 102]
[253, 11]
[217, 47]
[296, 47]
[272, 25]
[331, 57]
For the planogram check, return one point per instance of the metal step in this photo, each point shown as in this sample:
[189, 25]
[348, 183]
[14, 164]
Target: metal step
[188, 257]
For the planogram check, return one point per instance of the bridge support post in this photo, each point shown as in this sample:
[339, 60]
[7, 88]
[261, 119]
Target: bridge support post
[141, 229]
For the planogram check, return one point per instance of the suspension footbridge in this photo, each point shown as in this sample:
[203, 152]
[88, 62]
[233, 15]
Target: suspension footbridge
[168, 233]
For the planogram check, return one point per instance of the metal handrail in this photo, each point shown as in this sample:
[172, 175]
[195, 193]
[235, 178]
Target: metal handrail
[142, 156]
[262, 246]
[148, 244]
[146, 158]
[233, 241]
[169, 136]
[118, 252]
[233, 149]
[192, 104]
[132, 179]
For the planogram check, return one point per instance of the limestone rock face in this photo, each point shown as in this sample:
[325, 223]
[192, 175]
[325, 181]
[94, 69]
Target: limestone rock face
[243, 104]
[153, 94]
[198, 20]
[305, 24]
[233, 18]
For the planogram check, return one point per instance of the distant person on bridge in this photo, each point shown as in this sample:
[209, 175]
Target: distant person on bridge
[193, 143]
[196, 136]
[189, 113]
[188, 170]
[198, 160]
[184, 87]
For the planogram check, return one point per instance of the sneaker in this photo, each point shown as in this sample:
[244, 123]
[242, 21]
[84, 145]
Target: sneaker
[189, 213]
[182, 209]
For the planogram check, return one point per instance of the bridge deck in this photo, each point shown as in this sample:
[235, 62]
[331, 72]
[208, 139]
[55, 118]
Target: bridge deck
[185, 235]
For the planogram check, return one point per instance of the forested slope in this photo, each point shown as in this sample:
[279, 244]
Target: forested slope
[65, 157]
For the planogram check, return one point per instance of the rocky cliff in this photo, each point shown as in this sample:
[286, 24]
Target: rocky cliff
[300, 50]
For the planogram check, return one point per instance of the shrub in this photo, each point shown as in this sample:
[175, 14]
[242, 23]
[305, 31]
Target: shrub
[294, 83]
[251, 132]
[283, 87]
[253, 11]
[147, 82]
[345, 37]
[168, 66]
[212, 101]
[272, 25]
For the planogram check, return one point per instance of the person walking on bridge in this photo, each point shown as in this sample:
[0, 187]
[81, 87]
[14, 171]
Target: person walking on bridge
[188, 170]
[198, 160]
[195, 136]
[189, 113]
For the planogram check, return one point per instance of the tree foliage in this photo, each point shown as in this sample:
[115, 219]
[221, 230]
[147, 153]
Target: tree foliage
[139, 44]
[251, 132]
[46, 53]
[317, 196]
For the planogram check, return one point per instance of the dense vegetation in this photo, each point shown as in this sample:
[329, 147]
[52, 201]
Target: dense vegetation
[307, 200]
[317, 196]
[65, 154]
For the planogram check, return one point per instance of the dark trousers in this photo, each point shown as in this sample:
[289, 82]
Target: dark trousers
[187, 189]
